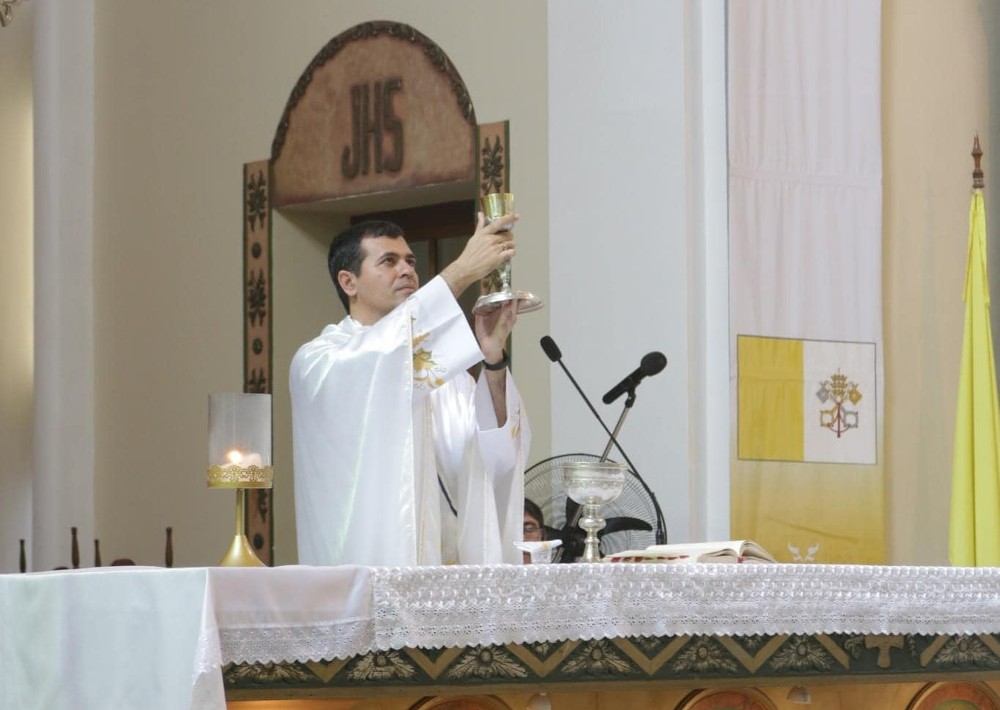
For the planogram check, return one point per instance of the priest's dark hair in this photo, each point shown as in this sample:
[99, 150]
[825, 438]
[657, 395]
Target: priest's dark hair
[346, 253]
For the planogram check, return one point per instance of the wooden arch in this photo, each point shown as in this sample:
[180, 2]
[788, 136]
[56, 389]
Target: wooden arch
[380, 113]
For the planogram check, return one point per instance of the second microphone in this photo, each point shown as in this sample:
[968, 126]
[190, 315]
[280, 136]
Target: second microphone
[651, 364]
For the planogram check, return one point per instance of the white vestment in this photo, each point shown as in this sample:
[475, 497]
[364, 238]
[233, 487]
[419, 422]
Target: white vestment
[384, 418]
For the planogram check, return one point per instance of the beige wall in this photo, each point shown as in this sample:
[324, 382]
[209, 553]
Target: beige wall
[186, 92]
[935, 98]
[16, 284]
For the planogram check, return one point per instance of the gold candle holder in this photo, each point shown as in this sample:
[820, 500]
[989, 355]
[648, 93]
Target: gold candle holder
[495, 289]
[239, 454]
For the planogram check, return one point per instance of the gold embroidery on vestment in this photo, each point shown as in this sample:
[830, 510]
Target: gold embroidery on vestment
[426, 370]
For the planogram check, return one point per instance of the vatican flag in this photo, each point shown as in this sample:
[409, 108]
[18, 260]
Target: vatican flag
[806, 400]
[975, 485]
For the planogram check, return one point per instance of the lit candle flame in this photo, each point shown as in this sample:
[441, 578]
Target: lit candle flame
[234, 456]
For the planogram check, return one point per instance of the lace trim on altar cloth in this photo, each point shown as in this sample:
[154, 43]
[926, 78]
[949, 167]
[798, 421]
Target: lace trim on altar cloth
[433, 607]
[305, 642]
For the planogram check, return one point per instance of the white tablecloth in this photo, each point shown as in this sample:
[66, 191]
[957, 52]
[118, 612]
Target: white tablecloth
[157, 638]
[151, 638]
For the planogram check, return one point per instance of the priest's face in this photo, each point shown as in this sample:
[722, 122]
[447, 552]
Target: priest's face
[387, 277]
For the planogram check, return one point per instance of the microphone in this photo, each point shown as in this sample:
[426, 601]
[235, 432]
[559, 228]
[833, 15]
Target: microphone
[554, 354]
[651, 364]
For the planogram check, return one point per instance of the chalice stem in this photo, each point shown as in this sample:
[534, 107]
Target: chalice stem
[505, 277]
[593, 524]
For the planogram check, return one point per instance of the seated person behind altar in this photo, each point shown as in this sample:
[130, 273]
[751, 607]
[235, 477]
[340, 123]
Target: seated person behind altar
[534, 526]
[400, 457]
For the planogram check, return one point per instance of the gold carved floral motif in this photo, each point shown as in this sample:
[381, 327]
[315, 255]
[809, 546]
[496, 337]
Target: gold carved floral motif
[240, 476]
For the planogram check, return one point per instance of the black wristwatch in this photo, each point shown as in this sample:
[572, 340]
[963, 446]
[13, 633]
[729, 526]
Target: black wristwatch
[494, 367]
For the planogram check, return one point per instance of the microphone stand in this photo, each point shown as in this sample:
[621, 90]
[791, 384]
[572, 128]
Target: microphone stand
[661, 525]
[629, 401]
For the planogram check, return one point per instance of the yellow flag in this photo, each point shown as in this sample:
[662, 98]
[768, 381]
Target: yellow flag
[975, 486]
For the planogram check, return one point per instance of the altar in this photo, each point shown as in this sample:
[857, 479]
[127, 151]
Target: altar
[636, 635]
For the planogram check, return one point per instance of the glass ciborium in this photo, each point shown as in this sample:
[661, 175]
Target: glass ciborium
[495, 289]
[592, 484]
[239, 457]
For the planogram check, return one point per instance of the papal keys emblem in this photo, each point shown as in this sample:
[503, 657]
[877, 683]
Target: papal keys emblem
[839, 392]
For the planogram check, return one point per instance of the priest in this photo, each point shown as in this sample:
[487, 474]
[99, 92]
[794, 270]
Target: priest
[401, 458]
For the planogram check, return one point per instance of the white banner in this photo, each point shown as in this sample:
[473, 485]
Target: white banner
[805, 217]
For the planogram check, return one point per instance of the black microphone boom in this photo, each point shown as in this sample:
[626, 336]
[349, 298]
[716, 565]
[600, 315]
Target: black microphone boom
[651, 364]
[555, 355]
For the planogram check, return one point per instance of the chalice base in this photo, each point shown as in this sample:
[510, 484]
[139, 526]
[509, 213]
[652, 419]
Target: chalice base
[526, 302]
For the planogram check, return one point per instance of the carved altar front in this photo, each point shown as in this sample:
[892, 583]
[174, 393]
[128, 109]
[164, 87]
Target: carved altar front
[664, 637]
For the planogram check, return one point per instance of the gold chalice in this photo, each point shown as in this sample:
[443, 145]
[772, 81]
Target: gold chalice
[495, 289]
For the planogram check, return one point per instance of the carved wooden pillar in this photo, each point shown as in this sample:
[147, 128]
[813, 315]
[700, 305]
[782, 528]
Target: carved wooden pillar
[257, 319]
[493, 157]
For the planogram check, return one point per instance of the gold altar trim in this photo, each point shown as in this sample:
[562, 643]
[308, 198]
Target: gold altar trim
[669, 661]
[240, 477]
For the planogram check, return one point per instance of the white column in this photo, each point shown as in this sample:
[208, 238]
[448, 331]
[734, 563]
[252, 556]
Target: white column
[636, 165]
[63, 486]
[708, 290]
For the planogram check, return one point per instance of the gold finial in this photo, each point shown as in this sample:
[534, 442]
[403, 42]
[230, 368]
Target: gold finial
[977, 174]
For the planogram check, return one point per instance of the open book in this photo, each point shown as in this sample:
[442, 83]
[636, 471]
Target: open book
[724, 551]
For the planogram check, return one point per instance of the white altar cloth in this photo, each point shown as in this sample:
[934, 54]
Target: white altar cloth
[461, 606]
[130, 637]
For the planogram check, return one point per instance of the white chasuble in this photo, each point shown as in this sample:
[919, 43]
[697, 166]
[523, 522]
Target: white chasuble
[391, 434]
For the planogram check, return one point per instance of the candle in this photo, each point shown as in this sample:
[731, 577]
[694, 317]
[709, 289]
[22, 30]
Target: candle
[237, 459]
